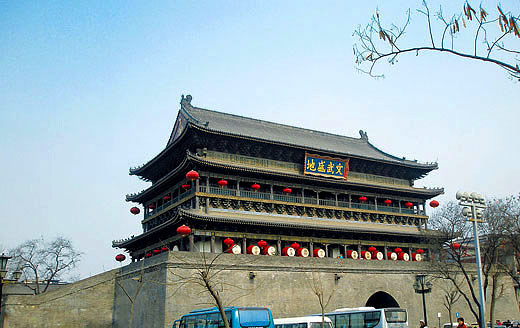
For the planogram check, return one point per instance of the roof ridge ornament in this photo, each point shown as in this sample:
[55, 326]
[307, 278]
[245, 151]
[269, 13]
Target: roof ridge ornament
[188, 99]
[364, 135]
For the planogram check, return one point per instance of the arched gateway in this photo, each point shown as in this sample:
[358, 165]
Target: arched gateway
[381, 300]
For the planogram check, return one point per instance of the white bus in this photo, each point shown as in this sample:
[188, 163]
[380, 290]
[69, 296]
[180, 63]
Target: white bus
[302, 322]
[369, 317]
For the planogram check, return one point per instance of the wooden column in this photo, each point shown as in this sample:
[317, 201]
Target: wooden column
[326, 250]
[238, 187]
[192, 242]
[207, 190]
[311, 249]
[349, 200]
[244, 245]
[375, 202]
[386, 252]
[196, 197]
[359, 250]
[272, 191]
[336, 196]
[279, 246]
[303, 195]
[212, 243]
[399, 202]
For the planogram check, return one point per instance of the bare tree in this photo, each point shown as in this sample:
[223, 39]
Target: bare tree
[43, 262]
[132, 298]
[209, 277]
[491, 38]
[323, 294]
[451, 296]
[454, 243]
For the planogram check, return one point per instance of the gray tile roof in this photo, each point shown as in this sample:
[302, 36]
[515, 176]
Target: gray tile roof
[280, 133]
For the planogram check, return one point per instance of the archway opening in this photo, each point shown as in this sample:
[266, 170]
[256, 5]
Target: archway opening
[381, 300]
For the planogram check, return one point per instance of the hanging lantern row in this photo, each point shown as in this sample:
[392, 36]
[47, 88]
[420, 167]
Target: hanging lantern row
[153, 252]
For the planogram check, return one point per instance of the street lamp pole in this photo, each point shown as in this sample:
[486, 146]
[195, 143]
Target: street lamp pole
[473, 204]
[421, 286]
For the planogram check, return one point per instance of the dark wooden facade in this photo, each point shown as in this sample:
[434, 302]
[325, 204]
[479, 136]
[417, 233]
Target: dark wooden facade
[319, 212]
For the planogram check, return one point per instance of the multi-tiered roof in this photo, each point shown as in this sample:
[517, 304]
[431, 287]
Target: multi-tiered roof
[249, 150]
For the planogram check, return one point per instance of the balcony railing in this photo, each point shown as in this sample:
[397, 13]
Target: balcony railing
[168, 203]
[305, 200]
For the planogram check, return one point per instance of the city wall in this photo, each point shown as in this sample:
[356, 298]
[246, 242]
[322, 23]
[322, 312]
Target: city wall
[86, 303]
[156, 291]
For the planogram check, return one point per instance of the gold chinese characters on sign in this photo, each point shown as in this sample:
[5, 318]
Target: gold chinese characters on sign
[325, 166]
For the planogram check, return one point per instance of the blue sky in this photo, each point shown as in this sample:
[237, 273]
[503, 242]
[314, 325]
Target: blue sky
[89, 89]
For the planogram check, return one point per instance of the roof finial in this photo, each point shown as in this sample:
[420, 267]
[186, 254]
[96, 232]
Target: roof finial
[188, 99]
[364, 135]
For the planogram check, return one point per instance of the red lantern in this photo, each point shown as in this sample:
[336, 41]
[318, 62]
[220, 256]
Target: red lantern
[398, 250]
[192, 175]
[222, 183]
[455, 245]
[372, 249]
[388, 202]
[156, 251]
[183, 230]
[287, 190]
[363, 199]
[120, 257]
[148, 254]
[229, 241]
[255, 186]
[434, 203]
[186, 186]
[262, 243]
[166, 198]
[135, 210]
[151, 206]
[408, 204]
[295, 245]
[164, 249]
[420, 251]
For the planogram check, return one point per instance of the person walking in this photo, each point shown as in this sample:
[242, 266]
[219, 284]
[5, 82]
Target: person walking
[461, 323]
[422, 324]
